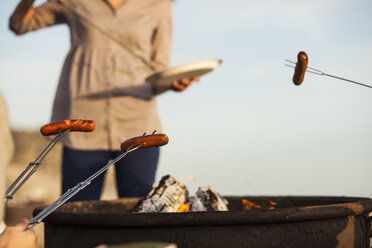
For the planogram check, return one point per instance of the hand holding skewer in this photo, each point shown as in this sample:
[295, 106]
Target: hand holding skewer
[19, 236]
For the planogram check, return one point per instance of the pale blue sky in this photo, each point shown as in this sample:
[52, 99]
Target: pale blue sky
[245, 129]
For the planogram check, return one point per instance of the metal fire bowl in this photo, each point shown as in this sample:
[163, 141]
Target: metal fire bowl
[296, 222]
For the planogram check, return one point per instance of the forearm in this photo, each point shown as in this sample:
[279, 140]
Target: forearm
[23, 12]
[157, 90]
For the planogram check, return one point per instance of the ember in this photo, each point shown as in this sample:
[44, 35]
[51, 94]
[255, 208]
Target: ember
[184, 208]
[249, 205]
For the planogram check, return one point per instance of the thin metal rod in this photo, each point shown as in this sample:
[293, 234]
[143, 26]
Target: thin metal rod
[33, 166]
[73, 191]
[347, 80]
[19, 178]
[289, 61]
[313, 70]
[49, 147]
[319, 72]
[11, 196]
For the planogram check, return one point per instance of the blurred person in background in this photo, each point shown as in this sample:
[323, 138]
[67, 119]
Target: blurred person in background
[6, 154]
[115, 45]
[18, 236]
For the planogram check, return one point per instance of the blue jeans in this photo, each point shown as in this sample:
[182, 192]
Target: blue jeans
[135, 173]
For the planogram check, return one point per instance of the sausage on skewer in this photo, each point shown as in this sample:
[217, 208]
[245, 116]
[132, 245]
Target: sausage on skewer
[301, 66]
[71, 125]
[145, 141]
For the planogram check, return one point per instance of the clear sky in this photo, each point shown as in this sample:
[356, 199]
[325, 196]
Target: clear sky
[245, 128]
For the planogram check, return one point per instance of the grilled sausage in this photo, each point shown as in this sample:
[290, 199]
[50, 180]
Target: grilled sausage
[71, 125]
[301, 66]
[146, 141]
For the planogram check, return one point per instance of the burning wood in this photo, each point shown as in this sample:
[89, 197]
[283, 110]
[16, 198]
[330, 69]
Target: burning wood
[249, 205]
[186, 207]
[172, 196]
[207, 199]
[167, 197]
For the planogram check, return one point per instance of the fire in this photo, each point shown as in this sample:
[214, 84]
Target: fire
[186, 207]
[249, 205]
[273, 203]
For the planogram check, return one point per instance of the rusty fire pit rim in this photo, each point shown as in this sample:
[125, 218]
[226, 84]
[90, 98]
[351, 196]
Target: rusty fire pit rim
[290, 214]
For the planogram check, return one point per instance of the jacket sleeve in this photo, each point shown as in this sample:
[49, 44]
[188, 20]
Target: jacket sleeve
[47, 14]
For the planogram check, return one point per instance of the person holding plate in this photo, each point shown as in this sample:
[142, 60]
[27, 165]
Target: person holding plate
[115, 46]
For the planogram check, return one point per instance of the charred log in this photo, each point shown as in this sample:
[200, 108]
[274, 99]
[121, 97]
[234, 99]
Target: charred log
[167, 197]
[207, 199]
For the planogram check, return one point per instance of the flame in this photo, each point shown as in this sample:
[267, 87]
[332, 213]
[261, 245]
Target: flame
[186, 207]
[248, 205]
[273, 203]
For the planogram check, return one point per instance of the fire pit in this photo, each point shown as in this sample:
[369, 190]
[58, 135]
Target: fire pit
[295, 222]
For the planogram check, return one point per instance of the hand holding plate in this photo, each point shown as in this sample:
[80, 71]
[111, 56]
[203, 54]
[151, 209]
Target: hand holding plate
[178, 78]
[182, 84]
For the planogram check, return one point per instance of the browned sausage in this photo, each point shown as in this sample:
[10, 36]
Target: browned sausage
[146, 141]
[301, 66]
[72, 125]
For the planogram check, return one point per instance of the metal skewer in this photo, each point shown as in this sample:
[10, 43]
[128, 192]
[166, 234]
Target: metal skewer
[134, 144]
[31, 169]
[321, 73]
[73, 191]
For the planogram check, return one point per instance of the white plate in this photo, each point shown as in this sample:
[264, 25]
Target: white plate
[189, 70]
